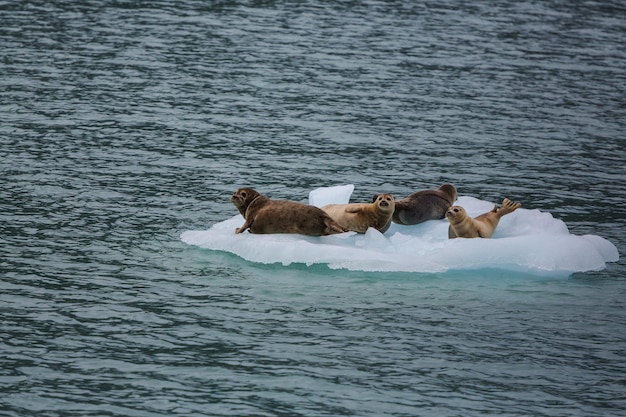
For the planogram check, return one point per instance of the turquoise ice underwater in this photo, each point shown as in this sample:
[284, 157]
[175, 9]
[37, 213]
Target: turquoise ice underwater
[527, 240]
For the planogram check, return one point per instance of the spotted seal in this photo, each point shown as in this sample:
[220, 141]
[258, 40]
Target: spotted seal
[424, 205]
[358, 217]
[264, 216]
[462, 225]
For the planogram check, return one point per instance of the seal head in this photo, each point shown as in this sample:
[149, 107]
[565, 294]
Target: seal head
[243, 197]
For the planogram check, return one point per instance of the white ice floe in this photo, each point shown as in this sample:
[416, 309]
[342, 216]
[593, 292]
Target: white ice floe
[525, 241]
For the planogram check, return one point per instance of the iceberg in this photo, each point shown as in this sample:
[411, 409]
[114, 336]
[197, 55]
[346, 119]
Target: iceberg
[527, 240]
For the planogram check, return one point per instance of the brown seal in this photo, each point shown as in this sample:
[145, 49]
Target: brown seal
[281, 216]
[358, 217]
[462, 225]
[425, 205]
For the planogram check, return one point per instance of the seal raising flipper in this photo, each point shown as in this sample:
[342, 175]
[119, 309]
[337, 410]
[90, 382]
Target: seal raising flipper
[461, 225]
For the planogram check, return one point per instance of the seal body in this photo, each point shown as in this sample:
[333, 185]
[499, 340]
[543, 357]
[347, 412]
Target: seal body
[462, 225]
[264, 216]
[425, 205]
[358, 217]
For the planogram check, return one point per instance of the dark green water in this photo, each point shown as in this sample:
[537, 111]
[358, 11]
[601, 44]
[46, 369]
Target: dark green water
[125, 123]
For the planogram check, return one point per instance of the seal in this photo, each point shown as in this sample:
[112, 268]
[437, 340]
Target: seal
[462, 225]
[358, 217]
[264, 216]
[424, 205]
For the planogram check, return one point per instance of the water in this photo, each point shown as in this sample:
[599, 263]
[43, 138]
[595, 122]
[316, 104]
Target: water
[125, 123]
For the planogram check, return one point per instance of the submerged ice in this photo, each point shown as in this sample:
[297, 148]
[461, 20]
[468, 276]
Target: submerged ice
[525, 241]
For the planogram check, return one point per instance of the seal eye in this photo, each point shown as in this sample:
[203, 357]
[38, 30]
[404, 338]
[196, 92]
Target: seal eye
[243, 194]
[456, 210]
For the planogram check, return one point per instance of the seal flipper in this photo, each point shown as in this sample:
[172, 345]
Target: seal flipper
[508, 206]
[332, 227]
[353, 209]
[246, 225]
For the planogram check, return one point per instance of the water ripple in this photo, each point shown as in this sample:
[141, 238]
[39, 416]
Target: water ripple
[125, 123]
